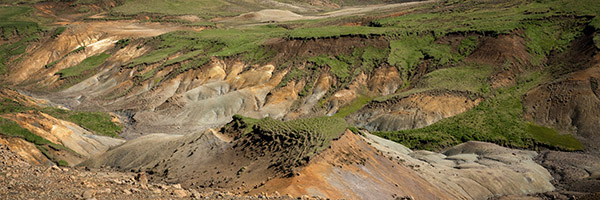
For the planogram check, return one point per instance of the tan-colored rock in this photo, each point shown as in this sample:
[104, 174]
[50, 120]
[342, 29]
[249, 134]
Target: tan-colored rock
[486, 169]
[180, 193]
[88, 194]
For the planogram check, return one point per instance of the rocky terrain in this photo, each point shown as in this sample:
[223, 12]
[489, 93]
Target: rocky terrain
[111, 99]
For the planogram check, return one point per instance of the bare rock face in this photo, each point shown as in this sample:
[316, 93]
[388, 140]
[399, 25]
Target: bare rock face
[573, 172]
[65, 133]
[570, 105]
[473, 170]
[27, 151]
[352, 169]
[413, 111]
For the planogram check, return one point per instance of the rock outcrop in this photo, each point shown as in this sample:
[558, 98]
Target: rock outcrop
[473, 170]
[413, 111]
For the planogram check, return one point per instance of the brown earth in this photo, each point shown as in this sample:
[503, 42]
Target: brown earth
[196, 99]
[571, 102]
[413, 111]
[575, 174]
[22, 180]
[83, 143]
[352, 169]
[507, 53]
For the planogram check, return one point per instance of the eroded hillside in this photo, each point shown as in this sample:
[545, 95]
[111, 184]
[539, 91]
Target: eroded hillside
[281, 97]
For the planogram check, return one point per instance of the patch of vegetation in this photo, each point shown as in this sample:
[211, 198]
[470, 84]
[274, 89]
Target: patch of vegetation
[98, 122]
[467, 45]
[122, 43]
[408, 51]
[338, 31]
[10, 50]
[259, 56]
[485, 17]
[356, 105]
[194, 64]
[293, 74]
[371, 57]
[86, 65]
[550, 35]
[338, 68]
[11, 128]
[291, 143]
[58, 31]
[198, 46]
[551, 137]
[472, 78]
[595, 22]
[62, 163]
[13, 22]
[77, 50]
[498, 119]
[202, 8]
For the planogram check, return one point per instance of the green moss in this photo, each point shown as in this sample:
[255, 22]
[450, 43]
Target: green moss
[214, 42]
[98, 122]
[485, 17]
[372, 56]
[550, 137]
[194, 64]
[472, 78]
[550, 36]
[467, 45]
[11, 128]
[59, 31]
[11, 106]
[498, 119]
[293, 74]
[122, 43]
[338, 68]
[595, 22]
[62, 163]
[202, 8]
[408, 51]
[15, 49]
[86, 65]
[356, 105]
[337, 31]
[14, 22]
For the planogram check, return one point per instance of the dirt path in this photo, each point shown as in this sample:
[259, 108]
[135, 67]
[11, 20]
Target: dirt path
[277, 15]
[365, 9]
[132, 28]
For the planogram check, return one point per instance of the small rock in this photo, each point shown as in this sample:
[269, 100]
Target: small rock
[177, 186]
[54, 167]
[88, 194]
[195, 193]
[156, 191]
[142, 178]
[161, 186]
[126, 191]
[106, 191]
[180, 193]
[65, 169]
